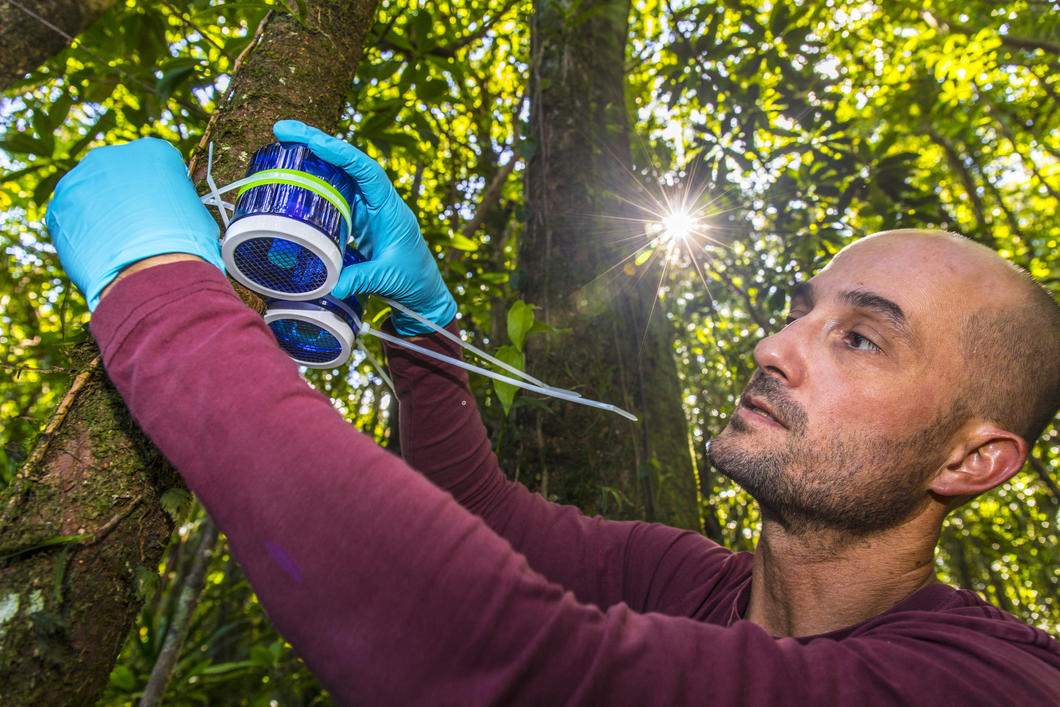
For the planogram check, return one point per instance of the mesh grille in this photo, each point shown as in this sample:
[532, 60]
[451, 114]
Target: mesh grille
[280, 265]
[304, 341]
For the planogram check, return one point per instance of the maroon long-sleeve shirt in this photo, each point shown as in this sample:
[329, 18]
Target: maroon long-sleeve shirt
[395, 593]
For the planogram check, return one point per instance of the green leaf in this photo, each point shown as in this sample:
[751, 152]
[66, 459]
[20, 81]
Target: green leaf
[263, 656]
[421, 30]
[778, 19]
[43, 127]
[176, 502]
[172, 78]
[506, 391]
[520, 321]
[43, 190]
[146, 583]
[462, 243]
[98, 89]
[221, 668]
[60, 109]
[105, 123]
[526, 148]
[540, 327]
[432, 90]
[123, 678]
[23, 143]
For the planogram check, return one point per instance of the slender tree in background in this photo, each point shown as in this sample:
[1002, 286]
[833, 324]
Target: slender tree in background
[571, 265]
[85, 520]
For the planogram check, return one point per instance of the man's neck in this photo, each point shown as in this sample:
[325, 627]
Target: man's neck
[821, 581]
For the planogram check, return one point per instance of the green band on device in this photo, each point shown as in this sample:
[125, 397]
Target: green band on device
[304, 180]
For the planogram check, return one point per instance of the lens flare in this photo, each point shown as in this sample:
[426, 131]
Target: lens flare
[660, 230]
[678, 226]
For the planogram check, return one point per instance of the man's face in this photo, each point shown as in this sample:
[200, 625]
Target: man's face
[852, 408]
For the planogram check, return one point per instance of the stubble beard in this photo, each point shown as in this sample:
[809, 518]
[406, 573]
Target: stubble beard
[857, 486]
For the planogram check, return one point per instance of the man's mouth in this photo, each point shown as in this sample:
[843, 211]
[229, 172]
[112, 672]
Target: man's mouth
[767, 401]
[760, 408]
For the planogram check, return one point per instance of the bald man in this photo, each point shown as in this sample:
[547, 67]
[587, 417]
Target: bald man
[914, 372]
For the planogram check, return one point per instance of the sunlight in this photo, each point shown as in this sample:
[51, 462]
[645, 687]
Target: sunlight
[678, 226]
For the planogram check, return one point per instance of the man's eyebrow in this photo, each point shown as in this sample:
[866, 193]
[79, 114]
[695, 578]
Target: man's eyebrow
[882, 307]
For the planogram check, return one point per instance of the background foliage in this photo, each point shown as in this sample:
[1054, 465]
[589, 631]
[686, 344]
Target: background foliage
[787, 128]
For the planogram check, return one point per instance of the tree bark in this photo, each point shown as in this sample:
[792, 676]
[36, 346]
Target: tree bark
[33, 31]
[84, 518]
[616, 350]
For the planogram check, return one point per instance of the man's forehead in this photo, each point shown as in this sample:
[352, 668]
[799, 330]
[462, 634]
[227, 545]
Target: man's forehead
[892, 278]
[930, 278]
[911, 255]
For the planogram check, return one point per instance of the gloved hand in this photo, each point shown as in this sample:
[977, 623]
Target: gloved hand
[124, 203]
[400, 265]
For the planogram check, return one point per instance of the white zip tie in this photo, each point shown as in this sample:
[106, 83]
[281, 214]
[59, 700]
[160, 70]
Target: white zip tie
[375, 364]
[226, 188]
[475, 350]
[553, 392]
[214, 197]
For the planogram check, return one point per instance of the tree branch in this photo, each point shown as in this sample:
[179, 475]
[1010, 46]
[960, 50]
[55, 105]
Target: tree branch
[190, 591]
[954, 158]
[496, 185]
[195, 28]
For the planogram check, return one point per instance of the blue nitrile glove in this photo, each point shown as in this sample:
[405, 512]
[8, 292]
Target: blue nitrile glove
[400, 265]
[124, 203]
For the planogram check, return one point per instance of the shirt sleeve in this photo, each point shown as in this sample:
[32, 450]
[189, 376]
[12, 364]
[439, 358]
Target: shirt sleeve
[649, 567]
[394, 594]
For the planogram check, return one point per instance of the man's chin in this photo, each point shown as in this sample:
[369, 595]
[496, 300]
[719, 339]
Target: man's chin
[736, 428]
[734, 453]
[724, 448]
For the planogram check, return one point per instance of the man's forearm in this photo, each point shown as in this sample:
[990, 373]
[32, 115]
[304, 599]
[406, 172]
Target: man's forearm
[603, 562]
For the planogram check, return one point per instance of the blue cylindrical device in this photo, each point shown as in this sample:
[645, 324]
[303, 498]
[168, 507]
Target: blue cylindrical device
[291, 224]
[318, 333]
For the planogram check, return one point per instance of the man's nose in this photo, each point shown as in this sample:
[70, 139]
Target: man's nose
[782, 354]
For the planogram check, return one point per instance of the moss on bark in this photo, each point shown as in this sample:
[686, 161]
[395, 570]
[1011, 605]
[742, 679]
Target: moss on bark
[76, 525]
[84, 518]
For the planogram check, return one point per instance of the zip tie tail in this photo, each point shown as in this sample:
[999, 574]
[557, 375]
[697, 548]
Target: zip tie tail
[552, 392]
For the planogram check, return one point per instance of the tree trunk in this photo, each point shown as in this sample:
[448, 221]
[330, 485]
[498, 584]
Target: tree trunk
[26, 41]
[84, 519]
[615, 350]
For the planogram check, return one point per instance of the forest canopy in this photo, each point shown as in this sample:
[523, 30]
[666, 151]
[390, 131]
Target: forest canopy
[763, 137]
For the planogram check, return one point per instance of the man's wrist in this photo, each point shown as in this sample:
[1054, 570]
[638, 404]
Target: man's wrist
[151, 262]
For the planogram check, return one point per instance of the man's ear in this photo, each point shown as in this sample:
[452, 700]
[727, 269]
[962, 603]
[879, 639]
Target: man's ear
[984, 456]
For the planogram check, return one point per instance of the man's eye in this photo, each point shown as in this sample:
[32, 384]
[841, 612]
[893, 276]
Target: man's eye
[859, 342]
